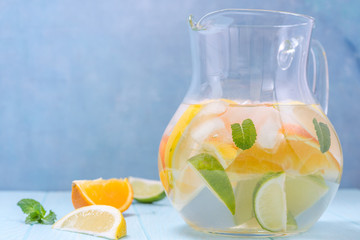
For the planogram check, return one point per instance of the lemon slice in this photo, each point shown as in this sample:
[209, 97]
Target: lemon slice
[147, 191]
[98, 220]
[302, 192]
[178, 130]
[270, 202]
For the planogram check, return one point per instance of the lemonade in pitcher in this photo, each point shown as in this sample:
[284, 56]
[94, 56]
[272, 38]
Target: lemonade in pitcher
[238, 167]
[250, 150]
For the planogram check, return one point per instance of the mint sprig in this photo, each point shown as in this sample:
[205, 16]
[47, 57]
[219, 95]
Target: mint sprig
[36, 212]
[244, 135]
[323, 134]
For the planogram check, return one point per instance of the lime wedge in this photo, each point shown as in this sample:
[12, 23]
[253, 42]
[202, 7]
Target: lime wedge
[270, 202]
[302, 192]
[244, 192]
[215, 178]
[291, 224]
[147, 191]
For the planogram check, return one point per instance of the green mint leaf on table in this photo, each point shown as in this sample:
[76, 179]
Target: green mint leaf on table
[323, 134]
[50, 218]
[244, 135]
[33, 218]
[27, 205]
[216, 178]
[36, 212]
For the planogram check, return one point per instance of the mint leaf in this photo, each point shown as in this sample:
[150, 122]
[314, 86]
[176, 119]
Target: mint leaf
[36, 212]
[244, 135]
[33, 218]
[40, 209]
[323, 134]
[50, 218]
[28, 205]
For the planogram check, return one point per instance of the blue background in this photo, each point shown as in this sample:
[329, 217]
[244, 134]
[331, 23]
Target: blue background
[87, 87]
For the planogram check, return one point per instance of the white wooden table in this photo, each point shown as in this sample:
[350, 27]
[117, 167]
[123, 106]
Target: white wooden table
[160, 221]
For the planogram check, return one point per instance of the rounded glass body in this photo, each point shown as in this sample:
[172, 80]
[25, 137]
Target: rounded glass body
[250, 151]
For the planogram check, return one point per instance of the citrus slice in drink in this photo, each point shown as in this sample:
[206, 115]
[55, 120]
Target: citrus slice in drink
[187, 186]
[170, 142]
[225, 152]
[270, 202]
[297, 153]
[146, 191]
[291, 223]
[302, 192]
[215, 178]
[113, 192]
[176, 133]
[302, 115]
[196, 125]
[244, 192]
[309, 159]
[202, 120]
[98, 220]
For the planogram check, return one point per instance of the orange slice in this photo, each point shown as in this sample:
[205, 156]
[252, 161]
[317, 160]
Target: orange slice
[112, 192]
[298, 153]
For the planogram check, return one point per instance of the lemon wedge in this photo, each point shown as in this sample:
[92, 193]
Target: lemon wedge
[98, 220]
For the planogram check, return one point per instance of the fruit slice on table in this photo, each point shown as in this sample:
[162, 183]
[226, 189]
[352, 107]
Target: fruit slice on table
[270, 202]
[146, 191]
[113, 192]
[302, 192]
[98, 220]
[215, 178]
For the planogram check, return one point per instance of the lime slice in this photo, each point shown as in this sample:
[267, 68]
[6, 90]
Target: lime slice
[291, 224]
[244, 191]
[302, 192]
[215, 178]
[147, 191]
[270, 202]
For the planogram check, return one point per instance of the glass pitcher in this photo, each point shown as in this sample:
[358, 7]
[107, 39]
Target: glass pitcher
[250, 151]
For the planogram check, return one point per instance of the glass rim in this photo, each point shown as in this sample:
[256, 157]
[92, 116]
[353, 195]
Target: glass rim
[306, 19]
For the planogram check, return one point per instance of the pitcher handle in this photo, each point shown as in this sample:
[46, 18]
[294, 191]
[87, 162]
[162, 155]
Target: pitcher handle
[320, 85]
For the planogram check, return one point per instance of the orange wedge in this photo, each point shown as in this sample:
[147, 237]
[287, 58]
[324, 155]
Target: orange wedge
[112, 192]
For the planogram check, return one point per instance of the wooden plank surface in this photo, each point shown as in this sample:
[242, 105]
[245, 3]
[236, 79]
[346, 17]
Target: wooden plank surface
[160, 221]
